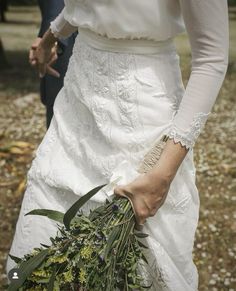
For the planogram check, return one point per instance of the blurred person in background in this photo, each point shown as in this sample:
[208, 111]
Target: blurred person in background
[52, 82]
[3, 9]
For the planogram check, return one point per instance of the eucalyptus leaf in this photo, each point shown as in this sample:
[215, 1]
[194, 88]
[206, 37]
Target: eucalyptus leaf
[141, 244]
[52, 280]
[43, 281]
[15, 259]
[52, 239]
[45, 246]
[141, 234]
[147, 287]
[71, 212]
[52, 214]
[144, 258]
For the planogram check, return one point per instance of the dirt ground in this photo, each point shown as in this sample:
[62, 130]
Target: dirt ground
[22, 126]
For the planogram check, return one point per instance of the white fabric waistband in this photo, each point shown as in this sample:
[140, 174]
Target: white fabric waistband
[138, 46]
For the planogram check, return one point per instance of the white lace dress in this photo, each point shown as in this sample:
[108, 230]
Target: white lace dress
[119, 97]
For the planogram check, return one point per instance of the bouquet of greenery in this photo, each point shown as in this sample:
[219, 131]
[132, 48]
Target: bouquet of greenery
[100, 251]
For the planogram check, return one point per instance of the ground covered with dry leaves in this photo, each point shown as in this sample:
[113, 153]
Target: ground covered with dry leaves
[22, 126]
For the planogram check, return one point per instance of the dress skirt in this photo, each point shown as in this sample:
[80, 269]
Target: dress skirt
[117, 101]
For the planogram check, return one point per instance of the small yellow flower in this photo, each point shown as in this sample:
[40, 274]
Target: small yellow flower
[86, 252]
[34, 252]
[40, 273]
[58, 259]
[68, 276]
[82, 276]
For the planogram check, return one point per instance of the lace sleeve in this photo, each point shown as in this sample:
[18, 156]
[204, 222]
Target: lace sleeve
[61, 28]
[207, 27]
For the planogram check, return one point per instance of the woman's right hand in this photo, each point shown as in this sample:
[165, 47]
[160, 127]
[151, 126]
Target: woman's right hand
[146, 193]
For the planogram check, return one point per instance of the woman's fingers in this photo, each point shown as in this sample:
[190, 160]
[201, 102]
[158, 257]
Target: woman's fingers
[32, 52]
[140, 214]
[42, 69]
[31, 56]
[46, 69]
[52, 72]
[53, 59]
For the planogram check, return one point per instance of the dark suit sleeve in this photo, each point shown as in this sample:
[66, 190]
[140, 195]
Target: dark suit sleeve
[49, 11]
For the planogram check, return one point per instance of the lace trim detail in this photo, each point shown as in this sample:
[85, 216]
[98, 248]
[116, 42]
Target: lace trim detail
[188, 138]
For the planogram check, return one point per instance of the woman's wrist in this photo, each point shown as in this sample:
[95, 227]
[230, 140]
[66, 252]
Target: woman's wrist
[171, 158]
[48, 40]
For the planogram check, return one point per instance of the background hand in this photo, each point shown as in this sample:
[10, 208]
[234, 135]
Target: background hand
[146, 193]
[43, 57]
[32, 52]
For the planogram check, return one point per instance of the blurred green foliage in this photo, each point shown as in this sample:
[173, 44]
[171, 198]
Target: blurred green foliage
[232, 2]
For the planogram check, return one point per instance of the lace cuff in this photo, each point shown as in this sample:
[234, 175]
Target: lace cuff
[189, 136]
[61, 28]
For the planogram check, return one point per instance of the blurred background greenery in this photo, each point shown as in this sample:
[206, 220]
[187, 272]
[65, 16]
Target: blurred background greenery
[232, 2]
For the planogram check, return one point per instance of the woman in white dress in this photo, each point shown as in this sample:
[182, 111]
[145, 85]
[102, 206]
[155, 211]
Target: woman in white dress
[122, 92]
